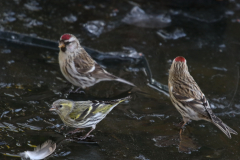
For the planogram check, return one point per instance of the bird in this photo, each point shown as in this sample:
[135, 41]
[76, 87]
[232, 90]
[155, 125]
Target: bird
[78, 67]
[84, 114]
[188, 98]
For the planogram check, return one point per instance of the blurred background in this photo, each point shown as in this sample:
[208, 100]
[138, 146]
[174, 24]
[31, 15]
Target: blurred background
[205, 32]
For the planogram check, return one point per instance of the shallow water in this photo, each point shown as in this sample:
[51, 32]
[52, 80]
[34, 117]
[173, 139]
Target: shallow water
[145, 127]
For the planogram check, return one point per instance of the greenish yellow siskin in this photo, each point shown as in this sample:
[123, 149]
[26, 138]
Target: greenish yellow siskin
[84, 114]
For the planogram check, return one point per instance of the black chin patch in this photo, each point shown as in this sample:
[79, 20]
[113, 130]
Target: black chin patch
[63, 49]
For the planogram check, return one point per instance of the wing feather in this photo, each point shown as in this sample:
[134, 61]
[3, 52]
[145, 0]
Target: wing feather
[189, 94]
[83, 62]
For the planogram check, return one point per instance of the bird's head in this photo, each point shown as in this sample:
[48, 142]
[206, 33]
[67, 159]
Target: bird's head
[68, 43]
[62, 106]
[179, 65]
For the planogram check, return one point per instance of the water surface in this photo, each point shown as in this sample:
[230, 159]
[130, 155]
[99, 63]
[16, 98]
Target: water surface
[145, 127]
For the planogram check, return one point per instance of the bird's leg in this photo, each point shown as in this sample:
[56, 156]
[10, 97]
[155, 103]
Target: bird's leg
[178, 124]
[181, 123]
[74, 131]
[62, 128]
[84, 137]
[70, 90]
[180, 133]
[77, 91]
[185, 120]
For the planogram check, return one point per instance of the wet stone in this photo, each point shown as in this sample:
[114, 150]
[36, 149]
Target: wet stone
[70, 19]
[139, 18]
[176, 34]
[95, 27]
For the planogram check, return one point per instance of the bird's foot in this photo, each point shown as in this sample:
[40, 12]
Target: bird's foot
[181, 123]
[182, 129]
[84, 137]
[90, 136]
[70, 90]
[81, 138]
[62, 128]
[78, 90]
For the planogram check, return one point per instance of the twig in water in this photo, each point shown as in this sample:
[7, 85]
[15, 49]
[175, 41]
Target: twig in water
[234, 94]
[48, 122]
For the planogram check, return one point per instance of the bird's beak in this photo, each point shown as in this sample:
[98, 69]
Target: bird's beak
[53, 108]
[61, 45]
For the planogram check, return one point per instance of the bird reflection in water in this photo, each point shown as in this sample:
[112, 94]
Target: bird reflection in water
[185, 143]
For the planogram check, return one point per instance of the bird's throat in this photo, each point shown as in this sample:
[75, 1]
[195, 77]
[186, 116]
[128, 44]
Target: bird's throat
[63, 49]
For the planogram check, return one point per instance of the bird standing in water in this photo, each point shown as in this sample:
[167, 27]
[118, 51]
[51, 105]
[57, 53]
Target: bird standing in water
[78, 67]
[188, 98]
[84, 114]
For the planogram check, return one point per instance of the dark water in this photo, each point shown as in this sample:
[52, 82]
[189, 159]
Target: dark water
[206, 33]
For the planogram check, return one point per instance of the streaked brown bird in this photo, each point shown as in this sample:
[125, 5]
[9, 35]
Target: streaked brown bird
[188, 98]
[78, 67]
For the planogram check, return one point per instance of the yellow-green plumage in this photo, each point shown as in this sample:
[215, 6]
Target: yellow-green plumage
[83, 114]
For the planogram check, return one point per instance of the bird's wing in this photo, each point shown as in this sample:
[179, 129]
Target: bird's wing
[80, 110]
[100, 73]
[85, 109]
[84, 63]
[105, 107]
[214, 118]
[189, 94]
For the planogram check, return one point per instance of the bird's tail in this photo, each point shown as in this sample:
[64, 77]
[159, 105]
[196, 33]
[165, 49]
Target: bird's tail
[111, 77]
[223, 127]
[119, 100]
[135, 89]
[124, 81]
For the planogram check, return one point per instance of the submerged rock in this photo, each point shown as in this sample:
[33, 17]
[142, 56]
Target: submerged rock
[176, 34]
[138, 17]
[70, 19]
[95, 27]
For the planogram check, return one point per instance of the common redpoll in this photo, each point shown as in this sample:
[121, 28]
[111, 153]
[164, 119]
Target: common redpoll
[84, 114]
[78, 67]
[188, 98]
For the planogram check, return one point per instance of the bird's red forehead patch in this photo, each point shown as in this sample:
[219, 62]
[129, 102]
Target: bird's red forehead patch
[66, 37]
[180, 59]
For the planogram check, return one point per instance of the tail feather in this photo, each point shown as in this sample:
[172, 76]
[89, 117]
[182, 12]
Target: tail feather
[231, 130]
[223, 127]
[218, 122]
[110, 77]
[124, 81]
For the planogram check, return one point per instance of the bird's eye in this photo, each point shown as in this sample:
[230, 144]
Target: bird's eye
[60, 106]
